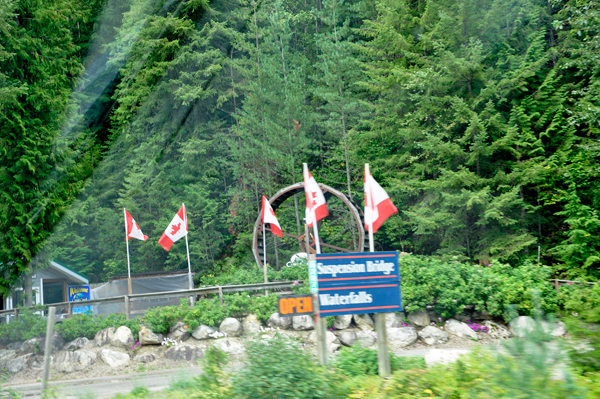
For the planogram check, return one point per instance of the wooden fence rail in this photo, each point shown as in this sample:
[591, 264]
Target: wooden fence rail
[127, 299]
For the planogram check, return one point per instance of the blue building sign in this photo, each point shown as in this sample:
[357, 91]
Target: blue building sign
[79, 293]
[357, 283]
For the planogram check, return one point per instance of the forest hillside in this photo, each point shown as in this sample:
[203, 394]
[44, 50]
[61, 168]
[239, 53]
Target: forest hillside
[479, 117]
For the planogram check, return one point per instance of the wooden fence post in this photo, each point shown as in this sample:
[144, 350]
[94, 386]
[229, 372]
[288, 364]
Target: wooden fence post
[127, 310]
[556, 285]
[70, 307]
[47, 352]
[221, 295]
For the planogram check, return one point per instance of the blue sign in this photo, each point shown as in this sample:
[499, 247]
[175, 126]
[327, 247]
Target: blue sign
[358, 283]
[312, 276]
[79, 293]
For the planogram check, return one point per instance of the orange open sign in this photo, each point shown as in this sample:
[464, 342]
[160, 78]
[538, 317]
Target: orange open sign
[295, 305]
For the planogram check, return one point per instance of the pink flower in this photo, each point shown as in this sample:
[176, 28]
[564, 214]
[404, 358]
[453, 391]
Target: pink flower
[454, 300]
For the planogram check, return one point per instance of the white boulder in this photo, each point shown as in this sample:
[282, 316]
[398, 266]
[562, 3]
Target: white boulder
[17, 364]
[250, 324]
[394, 319]
[122, 338]
[115, 359]
[347, 337]
[232, 327]
[103, 337]
[403, 336]
[495, 330]
[184, 352]
[179, 331]
[364, 322]
[342, 322]
[433, 336]
[148, 337]
[76, 344]
[68, 362]
[459, 329]
[276, 321]
[203, 332]
[419, 319]
[303, 323]
[229, 346]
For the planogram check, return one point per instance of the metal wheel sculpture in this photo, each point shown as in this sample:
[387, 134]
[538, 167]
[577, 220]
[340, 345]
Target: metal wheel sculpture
[296, 242]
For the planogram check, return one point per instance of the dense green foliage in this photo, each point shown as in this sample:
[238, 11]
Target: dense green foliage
[86, 325]
[280, 368]
[358, 361]
[29, 325]
[479, 118]
[449, 286]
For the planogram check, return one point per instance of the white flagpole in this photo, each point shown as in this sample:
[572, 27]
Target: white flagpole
[369, 201]
[314, 216]
[316, 231]
[383, 357]
[264, 250]
[187, 247]
[127, 241]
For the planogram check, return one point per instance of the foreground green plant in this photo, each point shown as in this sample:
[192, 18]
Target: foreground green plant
[358, 360]
[278, 368]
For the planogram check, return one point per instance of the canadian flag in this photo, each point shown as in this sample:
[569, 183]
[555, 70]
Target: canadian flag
[177, 229]
[132, 229]
[378, 205]
[268, 216]
[316, 207]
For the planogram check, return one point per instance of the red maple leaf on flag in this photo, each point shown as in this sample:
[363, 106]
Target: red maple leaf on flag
[175, 228]
[272, 212]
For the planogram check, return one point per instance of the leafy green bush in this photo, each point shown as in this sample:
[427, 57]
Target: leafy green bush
[264, 306]
[280, 369]
[585, 328]
[450, 285]
[577, 298]
[358, 360]
[161, 319]
[237, 305]
[295, 272]
[28, 325]
[207, 311]
[86, 325]
[213, 383]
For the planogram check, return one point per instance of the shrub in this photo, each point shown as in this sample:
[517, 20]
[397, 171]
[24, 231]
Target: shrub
[277, 368]
[585, 328]
[207, 311]
[578, 298]
[264, 306]
[87, 325]
[28, 325]
[237, 305]
[161, 319]
[358, 360]
[213, 383]
[450, 285]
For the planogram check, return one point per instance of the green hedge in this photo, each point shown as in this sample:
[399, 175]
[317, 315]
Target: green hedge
[450, 285]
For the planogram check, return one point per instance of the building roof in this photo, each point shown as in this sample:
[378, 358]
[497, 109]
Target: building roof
[68, 272]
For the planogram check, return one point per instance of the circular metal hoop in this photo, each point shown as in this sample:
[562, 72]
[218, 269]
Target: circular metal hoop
[297, 188]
